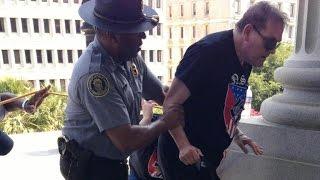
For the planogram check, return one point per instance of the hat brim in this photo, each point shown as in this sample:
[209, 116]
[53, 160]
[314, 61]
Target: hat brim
[86, 13]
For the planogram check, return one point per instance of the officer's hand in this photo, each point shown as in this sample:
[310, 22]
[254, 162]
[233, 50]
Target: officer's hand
[35, 101]
[190, 155]
[173, 116]
[147, 107]
[243, 140]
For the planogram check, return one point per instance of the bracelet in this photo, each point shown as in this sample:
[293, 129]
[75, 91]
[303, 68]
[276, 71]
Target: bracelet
[24, 104]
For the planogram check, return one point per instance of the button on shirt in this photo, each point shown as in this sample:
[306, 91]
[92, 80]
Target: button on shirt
[104, 94]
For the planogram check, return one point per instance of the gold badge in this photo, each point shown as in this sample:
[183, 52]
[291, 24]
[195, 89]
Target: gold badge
[134, 70]
[98, 85]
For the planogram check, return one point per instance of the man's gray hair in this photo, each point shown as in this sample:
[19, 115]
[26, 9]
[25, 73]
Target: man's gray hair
[259, 14]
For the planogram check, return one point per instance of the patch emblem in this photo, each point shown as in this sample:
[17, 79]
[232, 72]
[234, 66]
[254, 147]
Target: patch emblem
[98, 85]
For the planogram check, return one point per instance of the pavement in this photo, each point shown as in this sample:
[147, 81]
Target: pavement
[33, 157]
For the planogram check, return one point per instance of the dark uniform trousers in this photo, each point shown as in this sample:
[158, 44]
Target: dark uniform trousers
[77, 163]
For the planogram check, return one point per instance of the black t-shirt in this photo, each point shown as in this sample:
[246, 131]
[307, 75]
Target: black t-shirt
[217, 82]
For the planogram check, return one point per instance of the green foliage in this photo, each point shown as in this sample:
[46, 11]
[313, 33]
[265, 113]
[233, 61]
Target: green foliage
[262, 80]
[48, 117]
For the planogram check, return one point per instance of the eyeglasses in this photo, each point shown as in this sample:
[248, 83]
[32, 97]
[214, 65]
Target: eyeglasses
[268, 43]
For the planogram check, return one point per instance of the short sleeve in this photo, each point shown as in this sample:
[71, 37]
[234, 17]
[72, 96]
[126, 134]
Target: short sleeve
[194, 68]
[102, 100]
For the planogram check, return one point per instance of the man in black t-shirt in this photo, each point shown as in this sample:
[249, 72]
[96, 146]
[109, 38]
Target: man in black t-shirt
[211, 83]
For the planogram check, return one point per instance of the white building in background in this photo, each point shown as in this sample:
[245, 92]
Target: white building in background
[40, 40]
[155, 48]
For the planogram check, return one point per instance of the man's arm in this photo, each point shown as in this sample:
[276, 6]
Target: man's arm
[242, 140]
[128, 138]
[177, 95]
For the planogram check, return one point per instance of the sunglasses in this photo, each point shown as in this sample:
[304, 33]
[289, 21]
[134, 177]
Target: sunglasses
[268, 43]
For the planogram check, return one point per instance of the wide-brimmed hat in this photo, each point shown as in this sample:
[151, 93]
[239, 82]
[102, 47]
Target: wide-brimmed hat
[119, 16]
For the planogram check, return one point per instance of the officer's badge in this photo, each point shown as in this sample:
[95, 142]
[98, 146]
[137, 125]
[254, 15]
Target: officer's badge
[134, 70]
[98, 85]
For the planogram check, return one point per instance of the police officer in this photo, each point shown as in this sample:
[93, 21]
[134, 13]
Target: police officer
[105, 91]
[28, 105]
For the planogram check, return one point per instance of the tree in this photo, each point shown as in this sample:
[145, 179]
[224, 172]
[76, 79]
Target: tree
[48, 117]
[262, 80]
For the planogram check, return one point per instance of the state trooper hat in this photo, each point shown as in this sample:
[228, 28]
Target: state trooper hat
[119, 16]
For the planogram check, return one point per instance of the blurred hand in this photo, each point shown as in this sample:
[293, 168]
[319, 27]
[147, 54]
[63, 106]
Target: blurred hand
[243, 140]
[35, 101]
[190, 155]
[147, 110]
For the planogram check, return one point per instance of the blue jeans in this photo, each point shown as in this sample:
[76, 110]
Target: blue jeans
[6, 144]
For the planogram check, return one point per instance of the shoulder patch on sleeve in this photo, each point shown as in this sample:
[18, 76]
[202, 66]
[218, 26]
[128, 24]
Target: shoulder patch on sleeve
[98, 85]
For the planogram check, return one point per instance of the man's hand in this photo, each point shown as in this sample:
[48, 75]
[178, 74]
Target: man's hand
[190, 155]
[243, 140]
[147, 107]
[35, 101]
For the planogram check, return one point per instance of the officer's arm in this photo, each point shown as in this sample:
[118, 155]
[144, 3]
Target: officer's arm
[128, 138]
[13, 105]
[178, 94]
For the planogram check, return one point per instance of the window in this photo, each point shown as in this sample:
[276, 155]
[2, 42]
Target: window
[63, 84]
[150, 3]
[17, 56]
[181, 10]
[2, 25]
[76, 1]
[159, 29]
[69, 53]
[35, 25]
[13, 22]
[79, 52]
[27, 56]
[60, 56]
[39, 56]
[158, 4]
[292, 9]
[46, 25]
[151, 55]
[252, 2]
[290, 31]
[42, 83]
[279, 5]
[55, 1]
[170, 53]
[67, 25]
[78, 25]
[65, 1]
[24, 25]
[44, 0]
[159, 55]
[57, 25]
[238, 6]
[207, 8]
[181, 32]
[160, 78]
[51, 81]
[194, 9]
[5, 56]
[170, 33]
[170, 73]
[181, 53]
[194, 31]
[49, 56]
[151, 32]
[170, 12]
[143, 54]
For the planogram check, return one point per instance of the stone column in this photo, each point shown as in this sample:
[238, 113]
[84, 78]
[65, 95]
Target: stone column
[299, 104]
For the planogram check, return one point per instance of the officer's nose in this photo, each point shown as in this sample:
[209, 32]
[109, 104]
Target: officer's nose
[142, 35]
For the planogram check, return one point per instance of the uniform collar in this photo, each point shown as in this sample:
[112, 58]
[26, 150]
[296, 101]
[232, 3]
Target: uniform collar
[105, 56]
